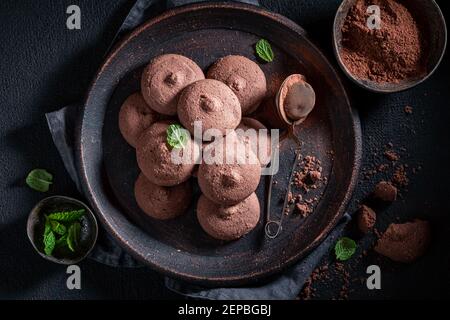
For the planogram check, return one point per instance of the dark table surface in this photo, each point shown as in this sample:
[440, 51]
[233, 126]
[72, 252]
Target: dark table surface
[45, 66]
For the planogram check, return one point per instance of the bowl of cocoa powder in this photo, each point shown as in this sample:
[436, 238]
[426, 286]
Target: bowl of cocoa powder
[388, 46]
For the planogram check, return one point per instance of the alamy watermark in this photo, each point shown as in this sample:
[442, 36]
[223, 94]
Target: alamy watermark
[74, 280]
[73, 21]
[374, 20]
[238, 146]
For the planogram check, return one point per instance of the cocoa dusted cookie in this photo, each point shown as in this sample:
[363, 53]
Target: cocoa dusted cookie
[259, 141]
[164, 78]
[154, 156]
[134, 117]
[228, 222]
[244, 77]
[211, 102]
[229, 172]
[162, 202]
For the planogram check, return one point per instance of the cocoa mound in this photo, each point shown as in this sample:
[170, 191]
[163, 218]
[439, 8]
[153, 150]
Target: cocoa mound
[405, 242]
[394, 52]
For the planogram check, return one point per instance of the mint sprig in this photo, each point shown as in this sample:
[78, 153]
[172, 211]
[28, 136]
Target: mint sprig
[177, 136]
[39, 180]
[49, 239]
[62, 229]
[67, 216]
[344, 248]
[264, 50]
[57, 227]
[73, 236]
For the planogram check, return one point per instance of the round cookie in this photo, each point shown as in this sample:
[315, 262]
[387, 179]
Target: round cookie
[154, 157]
[212, 103]
[164, 78]
[134, 117]
[262, 140]
[229, 172]
[228, 222]
[244, 77]
[162, 202]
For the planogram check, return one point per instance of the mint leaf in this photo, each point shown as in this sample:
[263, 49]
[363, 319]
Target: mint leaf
[177, 136]
[57, 227]
[39, 180]
[73, 236]
[264, 50]
[344, 248]
[49, 239]
[62, 241]
[67, 216]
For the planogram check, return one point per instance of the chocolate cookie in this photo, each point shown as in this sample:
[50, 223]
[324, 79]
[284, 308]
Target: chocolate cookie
[164, 78]
[259, 142]
[162, 202]
[229, 172]
[134, 117]
[244, 77]
[212, 103]
[154, 157]
[228, 222]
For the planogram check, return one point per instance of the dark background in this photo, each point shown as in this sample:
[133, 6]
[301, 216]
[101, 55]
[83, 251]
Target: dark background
[44, 66]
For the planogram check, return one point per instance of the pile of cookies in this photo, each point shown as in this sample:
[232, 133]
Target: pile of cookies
[174, 91]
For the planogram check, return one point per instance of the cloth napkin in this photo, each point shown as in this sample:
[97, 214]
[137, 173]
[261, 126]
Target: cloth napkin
[61, 124]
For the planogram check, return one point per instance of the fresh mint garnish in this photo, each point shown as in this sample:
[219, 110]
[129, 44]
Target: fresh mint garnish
[344, 248]
[67, 216]
[61, 242]
[39, 179]
[264, 50]
[62, 229]
[177, 136]
[73, 236]
[49, 239]
[57, 227]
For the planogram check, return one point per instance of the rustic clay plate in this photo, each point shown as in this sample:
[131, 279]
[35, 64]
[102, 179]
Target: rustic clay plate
[179, 248]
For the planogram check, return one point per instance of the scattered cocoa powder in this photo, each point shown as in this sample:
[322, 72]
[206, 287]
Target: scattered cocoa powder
[395, 52]
[345, 276]
[318, 274]
[302, 209]
[308, 176]
[290, 198]
[400, 177]
[391, 155]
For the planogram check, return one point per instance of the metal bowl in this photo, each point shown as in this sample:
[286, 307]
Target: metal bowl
[35, 227]
[436, 31]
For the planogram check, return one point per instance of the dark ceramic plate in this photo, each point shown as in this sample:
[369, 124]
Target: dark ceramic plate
[179, 248]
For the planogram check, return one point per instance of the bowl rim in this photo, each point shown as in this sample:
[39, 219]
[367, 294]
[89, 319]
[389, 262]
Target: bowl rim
[30, 223]
[367, 85]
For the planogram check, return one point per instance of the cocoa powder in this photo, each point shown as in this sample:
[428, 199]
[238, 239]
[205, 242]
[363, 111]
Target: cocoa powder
[395, 52]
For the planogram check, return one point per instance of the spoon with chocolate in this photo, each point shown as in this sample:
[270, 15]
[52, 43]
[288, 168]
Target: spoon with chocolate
[294, 101]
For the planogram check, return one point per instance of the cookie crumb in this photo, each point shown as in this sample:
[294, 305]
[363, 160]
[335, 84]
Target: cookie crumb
[384, 192]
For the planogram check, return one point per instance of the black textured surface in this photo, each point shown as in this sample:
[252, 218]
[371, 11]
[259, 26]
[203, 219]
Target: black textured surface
[44, 66]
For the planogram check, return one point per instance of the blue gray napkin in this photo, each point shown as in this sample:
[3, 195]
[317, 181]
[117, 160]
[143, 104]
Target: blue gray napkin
[62, 128]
